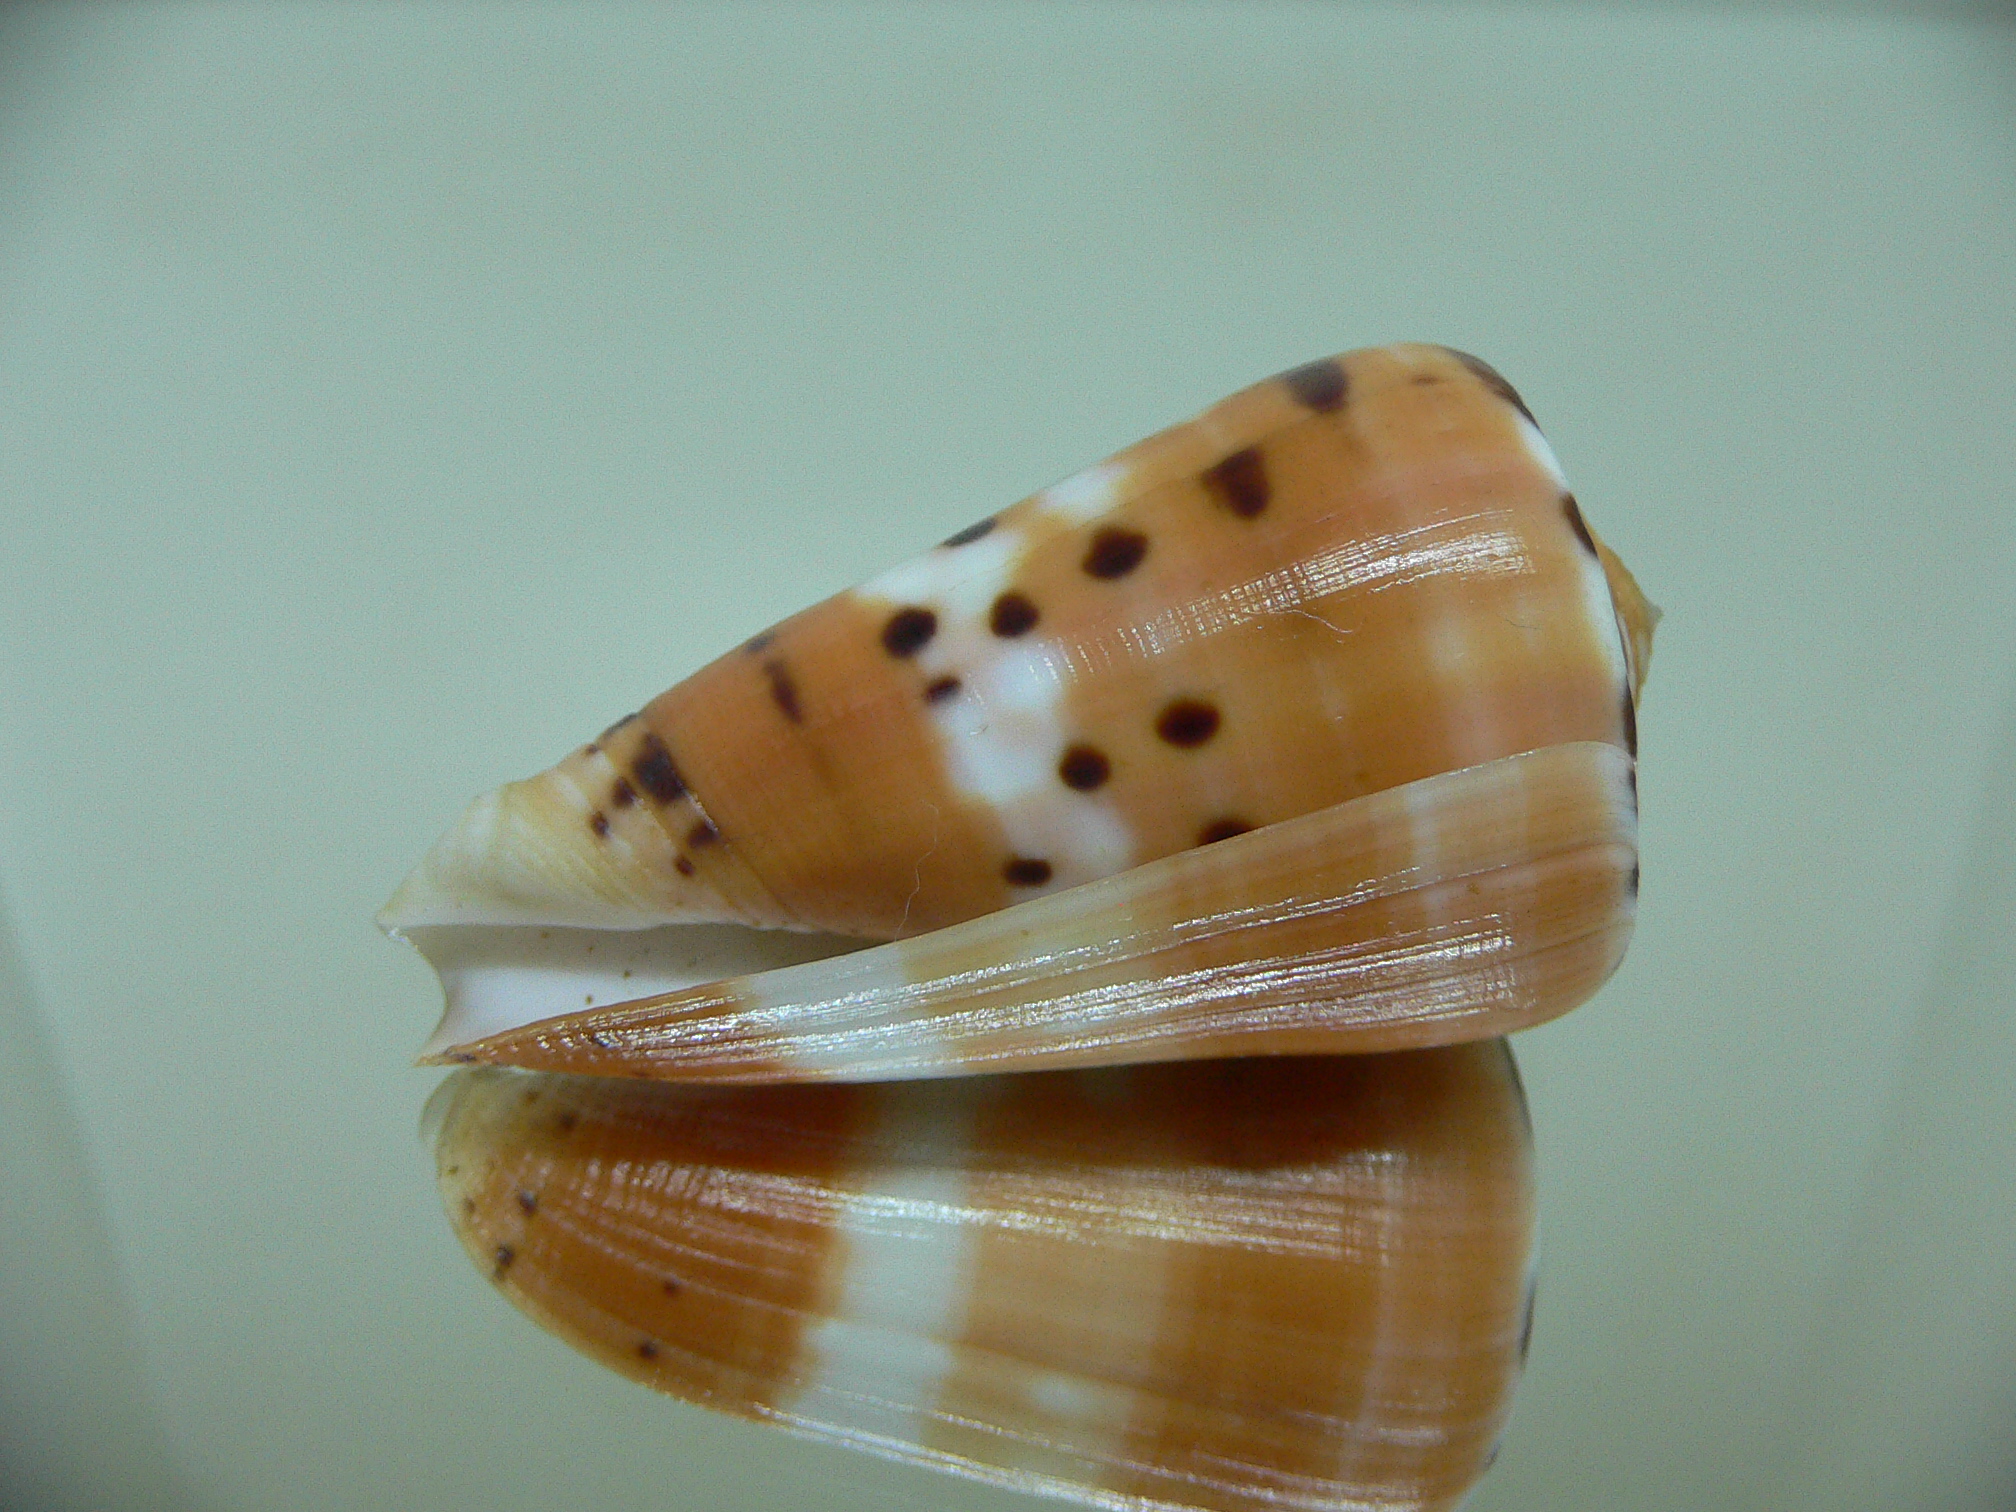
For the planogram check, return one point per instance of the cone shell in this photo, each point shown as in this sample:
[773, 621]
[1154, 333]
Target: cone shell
[1365, 572]
[1308, 726]
[1287, 1283]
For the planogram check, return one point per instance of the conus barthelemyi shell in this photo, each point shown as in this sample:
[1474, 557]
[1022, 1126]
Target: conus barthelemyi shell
[1340, 583]
[1308, 726]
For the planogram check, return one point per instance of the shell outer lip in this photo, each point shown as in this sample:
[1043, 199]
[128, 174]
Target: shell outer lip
[653, 1037]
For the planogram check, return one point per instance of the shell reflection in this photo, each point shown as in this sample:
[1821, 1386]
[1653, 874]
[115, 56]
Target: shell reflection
[1277, 1283]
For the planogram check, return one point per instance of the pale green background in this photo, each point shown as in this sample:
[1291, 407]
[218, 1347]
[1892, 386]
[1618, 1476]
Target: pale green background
[390, 395]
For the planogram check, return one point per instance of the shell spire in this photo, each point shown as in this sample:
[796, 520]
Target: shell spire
[585, 844]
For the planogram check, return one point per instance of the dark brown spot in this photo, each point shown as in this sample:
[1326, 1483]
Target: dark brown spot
[622, 795]
[1221, 829]
[908, 631]
[1084, 767]
[1577, 524]
[1634, 879]
[1494, 380]
[529, 1201]
[460, 1058]
[503, 1255]
[1240, 483]
[1630, 723]
[590, 749]
[599, 822]
[671, 1288]
[653, 770]
[1013, 615]
[1320, 385]
[683, 866]
[468, 1206]
[1634, 788]
[647, 1350]
[757, 644]
[702, 833]
[971, 533]
[1187, 722]
[1023, 871]
[1115, 553]
[940, 689]
[566, 1121]
[783, 691]
[626, 719]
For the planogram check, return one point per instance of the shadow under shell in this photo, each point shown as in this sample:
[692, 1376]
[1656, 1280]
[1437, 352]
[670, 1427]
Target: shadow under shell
[1265, 1283]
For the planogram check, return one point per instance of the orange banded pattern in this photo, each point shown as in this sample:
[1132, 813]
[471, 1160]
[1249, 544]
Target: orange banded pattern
[1064, 1282]
[1458, 907]
[1238, 792]
[1277, 607]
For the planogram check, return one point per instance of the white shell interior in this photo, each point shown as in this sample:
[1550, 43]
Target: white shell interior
[497, 977]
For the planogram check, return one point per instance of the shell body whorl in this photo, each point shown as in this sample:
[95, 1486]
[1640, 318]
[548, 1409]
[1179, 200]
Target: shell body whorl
[1354, 576]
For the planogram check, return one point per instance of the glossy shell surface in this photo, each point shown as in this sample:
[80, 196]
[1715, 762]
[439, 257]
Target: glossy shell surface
[1238, 793]
[1362, 573]
[1456, 907]
[1070, 1283]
